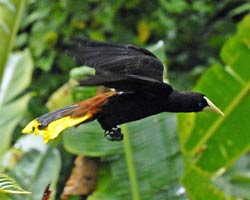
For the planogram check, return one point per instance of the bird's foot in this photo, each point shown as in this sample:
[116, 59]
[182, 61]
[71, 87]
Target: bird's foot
[113, 134]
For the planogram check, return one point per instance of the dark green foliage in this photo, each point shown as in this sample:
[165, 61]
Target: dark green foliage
[211, 159]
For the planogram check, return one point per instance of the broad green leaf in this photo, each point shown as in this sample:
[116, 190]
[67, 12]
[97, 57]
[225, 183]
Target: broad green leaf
[10, 16]
[39, 166]
[224, 137]
[11, 114]
[212, 143]
[146, 165]
[8, 185]
[16, 78]
[214, 133]
[88, 139]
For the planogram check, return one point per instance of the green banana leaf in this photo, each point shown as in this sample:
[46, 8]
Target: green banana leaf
[10, 16]
[146, 165]
[17, 70]
[16, 78]
[213, 143]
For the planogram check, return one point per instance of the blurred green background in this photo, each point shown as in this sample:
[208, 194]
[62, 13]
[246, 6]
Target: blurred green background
[205, 46]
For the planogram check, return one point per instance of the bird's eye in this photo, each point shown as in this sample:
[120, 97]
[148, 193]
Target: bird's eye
[200, 104]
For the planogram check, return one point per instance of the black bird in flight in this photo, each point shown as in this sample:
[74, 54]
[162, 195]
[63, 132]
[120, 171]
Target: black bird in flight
[135, 73]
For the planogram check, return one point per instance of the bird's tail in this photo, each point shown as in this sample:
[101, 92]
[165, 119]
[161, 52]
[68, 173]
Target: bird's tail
[50, 125]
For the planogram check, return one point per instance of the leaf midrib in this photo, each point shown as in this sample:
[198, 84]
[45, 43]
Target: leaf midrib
[243, 92]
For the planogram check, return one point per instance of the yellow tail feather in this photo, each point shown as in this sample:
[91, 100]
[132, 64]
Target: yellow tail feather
[54, 128]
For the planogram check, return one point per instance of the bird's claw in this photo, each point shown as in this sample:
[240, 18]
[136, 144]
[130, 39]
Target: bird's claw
[113, 134]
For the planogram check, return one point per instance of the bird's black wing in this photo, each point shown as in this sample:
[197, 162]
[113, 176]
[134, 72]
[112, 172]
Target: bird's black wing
[122, 67]
[125, 82]
[116, 58]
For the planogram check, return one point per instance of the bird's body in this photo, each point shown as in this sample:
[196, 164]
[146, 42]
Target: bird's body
[140, 105]
[137, 77]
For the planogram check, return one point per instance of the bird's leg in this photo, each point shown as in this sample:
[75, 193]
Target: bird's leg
[114, 134]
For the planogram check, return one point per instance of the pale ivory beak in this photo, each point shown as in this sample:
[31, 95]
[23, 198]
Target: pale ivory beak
[212, 107]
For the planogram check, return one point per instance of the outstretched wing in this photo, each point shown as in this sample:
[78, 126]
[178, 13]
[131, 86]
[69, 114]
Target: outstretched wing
[116, 58]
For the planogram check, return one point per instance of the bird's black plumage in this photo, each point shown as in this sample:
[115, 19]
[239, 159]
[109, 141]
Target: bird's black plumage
[123, 67]
[137, 76]
[117, 58]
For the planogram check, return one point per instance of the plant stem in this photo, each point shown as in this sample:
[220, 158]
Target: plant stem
[130, 163]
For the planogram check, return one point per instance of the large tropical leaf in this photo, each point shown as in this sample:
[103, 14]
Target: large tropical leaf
[10, 16]
[89, 140]
[17, 70]
[16, 78]
[146, 165]
[212, 143]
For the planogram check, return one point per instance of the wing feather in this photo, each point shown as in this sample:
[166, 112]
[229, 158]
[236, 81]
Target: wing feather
[116, 58]
[122, 82]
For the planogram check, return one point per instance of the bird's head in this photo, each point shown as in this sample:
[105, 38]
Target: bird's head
[191, 102]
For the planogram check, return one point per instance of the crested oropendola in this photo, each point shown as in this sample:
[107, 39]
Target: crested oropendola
[135, 73]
